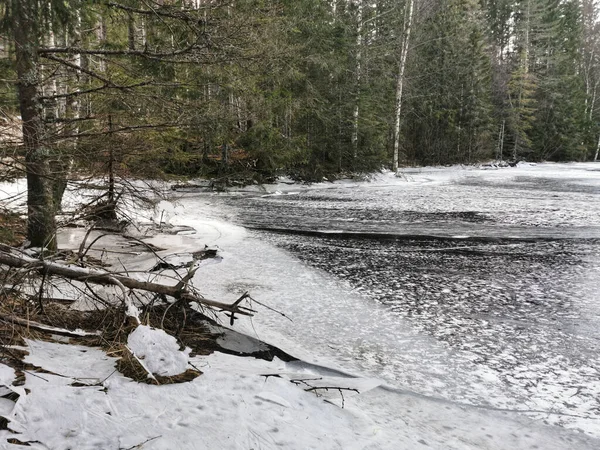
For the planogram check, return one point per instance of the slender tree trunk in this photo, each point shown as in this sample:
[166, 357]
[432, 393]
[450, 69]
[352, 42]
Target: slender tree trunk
[525, 67]
[593, 102]
[101, 36]
[41, 226]
[359, 49]
[61, 161]
[400, 80]
[597, 150]
[130, 32]
[111, 171]
[501, 142]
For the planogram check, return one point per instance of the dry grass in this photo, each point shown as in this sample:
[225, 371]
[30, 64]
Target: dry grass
[114, 328]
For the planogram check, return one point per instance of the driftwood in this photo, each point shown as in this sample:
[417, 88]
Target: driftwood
[179, 291]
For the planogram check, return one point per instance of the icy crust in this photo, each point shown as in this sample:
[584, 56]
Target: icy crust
[74, 361]
[539, 370]
[549, 197]
[158, 351]
[334, 326]
[242, 403]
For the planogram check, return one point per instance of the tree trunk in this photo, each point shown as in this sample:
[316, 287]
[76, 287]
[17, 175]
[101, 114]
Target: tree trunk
[597, 150]
[525, 68]
[130, 32]
[41, 226]
[400, 80]
[359, 49]
[501, 141]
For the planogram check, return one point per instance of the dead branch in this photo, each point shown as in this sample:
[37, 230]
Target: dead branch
[315, 389]
[9, 318]
[180, 291]
[150, 375]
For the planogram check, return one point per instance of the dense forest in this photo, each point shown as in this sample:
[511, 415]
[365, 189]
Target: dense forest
[307, 87]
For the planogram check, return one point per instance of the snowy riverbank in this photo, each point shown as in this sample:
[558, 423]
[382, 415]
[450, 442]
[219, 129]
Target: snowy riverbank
[243, 403]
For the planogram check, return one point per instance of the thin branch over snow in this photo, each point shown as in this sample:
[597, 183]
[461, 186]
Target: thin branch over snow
[180, 291]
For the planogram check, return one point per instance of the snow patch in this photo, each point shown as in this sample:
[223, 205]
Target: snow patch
[7, 374]
[158, 350]
[75, 361]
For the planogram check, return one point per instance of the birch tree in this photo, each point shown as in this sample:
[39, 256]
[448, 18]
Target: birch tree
[400, 79]
[358, 73]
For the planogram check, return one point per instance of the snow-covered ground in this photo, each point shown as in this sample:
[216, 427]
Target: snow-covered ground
[343, 336]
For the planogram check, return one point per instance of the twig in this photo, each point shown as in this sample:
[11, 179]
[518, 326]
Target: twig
[41, 291]
[271, 309]
[162, 321]
[81, 253]
[111, 374]
[141, 443]
[132, 310]
[336, 388]
[150, 375]
[35, 375]
[311, 388]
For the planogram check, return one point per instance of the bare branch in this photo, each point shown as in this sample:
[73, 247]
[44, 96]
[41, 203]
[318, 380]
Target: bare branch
[118, 130]
[109, 278]
[163, 11]
[100, 88]
[45, 52]
[79, 68]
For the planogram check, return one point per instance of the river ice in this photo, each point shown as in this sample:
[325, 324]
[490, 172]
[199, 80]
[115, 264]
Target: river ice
[475, 286]
[461, 303]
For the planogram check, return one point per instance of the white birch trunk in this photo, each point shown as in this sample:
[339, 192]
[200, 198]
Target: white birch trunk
[359, 44]
[593, 102]
[76, 105]
[525, 66]
[408, 16]
[501, 140]
[597, 150]
[101, 36]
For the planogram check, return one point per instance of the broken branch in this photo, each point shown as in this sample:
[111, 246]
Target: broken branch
[178, 291]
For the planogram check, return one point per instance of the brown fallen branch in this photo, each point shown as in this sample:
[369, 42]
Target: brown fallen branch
[9, 318]
[180, 291]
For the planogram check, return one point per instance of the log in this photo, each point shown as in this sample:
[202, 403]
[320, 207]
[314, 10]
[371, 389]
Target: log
[179, 291]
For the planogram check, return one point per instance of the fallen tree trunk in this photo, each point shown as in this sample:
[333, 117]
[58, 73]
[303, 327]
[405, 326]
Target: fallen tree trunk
[180, 291]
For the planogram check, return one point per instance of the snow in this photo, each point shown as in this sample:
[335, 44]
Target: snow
[346, 344]
[7, 375]
[75, 361]
[242, 403]
[158, 350]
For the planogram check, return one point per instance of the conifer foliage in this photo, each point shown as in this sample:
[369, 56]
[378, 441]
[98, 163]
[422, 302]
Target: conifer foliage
[253, 88]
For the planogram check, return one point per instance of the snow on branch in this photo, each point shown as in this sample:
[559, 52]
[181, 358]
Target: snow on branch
[179, 291]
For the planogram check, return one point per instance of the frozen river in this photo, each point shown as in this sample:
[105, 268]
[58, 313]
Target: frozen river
[476, 286]
[463, 304]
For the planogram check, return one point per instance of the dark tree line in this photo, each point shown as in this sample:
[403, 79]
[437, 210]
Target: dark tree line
[307, 87]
